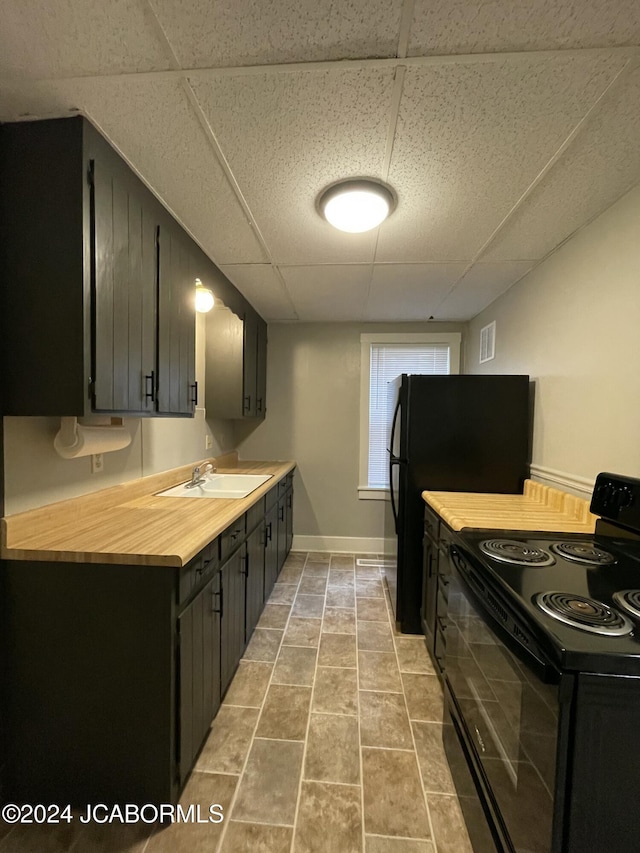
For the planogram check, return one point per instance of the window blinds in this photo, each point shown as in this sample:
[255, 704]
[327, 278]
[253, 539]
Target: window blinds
[388, 361]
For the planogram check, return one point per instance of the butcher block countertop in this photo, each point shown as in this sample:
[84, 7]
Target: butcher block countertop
[129, 524]
[538, 508]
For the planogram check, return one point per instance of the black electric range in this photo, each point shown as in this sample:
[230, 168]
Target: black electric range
[542, 681]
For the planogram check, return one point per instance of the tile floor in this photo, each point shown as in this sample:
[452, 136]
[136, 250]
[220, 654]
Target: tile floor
[328, 738]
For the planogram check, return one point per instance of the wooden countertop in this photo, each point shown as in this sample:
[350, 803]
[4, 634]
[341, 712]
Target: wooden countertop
[129, 524]
[538, 508]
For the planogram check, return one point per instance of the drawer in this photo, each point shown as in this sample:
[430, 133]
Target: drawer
[282, 486]
[232, 537]
[446, 536]
[197, 571]
[431, 523]
[255, 514]
[271, 498]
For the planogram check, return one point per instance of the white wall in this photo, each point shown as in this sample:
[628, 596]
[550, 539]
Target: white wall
[573, 324]
[313, 411]
[35, 475]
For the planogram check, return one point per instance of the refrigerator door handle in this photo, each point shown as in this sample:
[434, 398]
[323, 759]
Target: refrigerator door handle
[393, 460]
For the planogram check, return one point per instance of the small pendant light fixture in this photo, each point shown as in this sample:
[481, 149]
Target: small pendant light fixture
[204, 298]
[356, 205]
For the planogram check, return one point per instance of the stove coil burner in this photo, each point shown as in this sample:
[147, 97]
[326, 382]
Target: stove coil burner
[587, 614]
[629, 601]
[583, 552]
[516, 553]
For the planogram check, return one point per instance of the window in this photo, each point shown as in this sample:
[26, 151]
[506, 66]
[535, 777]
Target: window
[383, 358]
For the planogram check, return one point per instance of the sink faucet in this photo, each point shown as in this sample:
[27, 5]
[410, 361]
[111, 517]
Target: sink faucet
[197, 476]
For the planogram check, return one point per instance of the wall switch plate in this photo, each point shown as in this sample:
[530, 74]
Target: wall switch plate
[208, 442]
[97, 463]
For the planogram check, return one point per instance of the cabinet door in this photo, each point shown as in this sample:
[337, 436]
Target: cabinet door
[282, 531]
[177, 272]
[250, 365]
[255, 577]
[224, 367]
[232, 630]
[429, 590]
[271, 550]
[123, 289]
[261, 370]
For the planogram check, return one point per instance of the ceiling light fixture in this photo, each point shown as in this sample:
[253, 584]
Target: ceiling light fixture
[204, 298]
[356, 205]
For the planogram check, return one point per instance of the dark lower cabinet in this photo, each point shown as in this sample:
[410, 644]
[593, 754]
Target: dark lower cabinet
[271, 567]
[255, 577]
[288, 520]
[232, 633]
[435, 582]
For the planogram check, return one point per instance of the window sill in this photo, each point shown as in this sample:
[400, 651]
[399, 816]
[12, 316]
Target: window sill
[369, 493]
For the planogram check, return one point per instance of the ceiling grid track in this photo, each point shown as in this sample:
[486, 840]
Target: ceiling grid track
[631, 64]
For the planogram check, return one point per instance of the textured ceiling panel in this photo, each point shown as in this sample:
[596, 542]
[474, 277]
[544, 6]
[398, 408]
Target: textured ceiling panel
[465, 26]
[255, 32]
[602, 164]
[42, 38]
[334, 292]
[153, 125]
[263, 288]
[409, 291]
[480, 286]
[286, 136]
[471, 138]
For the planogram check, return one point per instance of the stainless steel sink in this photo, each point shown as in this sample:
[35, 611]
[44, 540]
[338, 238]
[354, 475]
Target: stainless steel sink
[219, 486]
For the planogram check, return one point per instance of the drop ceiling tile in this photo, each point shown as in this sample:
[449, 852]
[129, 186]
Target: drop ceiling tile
[264, 289]
[409, 291]
[228, 32]
[153, 125]
[470, 139]
[601, 165]
[40, 38]
[335, 292]
[466, 26]
[286, 136]
[480, 287]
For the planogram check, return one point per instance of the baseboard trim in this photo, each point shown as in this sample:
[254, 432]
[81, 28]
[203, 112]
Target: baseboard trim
[581, 485]
[344, 544]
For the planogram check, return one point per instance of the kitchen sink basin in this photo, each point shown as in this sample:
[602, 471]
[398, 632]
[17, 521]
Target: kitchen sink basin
[219, 486]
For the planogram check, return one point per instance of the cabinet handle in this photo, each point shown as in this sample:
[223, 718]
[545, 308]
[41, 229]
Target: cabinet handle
[150, 394]
[247, 403]
[194, 394]
[281, 512]
[221, 600]
[245, 560]
[268, 532]
[259, 404]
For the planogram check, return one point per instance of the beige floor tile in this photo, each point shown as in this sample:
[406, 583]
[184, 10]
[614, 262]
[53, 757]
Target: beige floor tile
[335, 691]
[329, 819]
[368, 572]
[339, 577]
[340, 596]
[378, 671]
[283, 593]
[264, 645]
[339, 620]
[337, 650]
[449, 830]
[432, 759]
[302, 632]
[229, 740]
[424, 696]
[274, 615]
[374, 637]
[310, 585]
[249, 684]
[378, 844]
[393, 799]
[269, 785]
[319, 557]
[290, 574]
[333, 754]
[105, 838]
[256, 838]
[316, 570]
[285, 713]
[413, 655]
[296, 558]
[372, 610]
[295, 666]
[204, 790]
[308, 605]
[384, 721]
[342, 561]
[369, 589]
[47, 838]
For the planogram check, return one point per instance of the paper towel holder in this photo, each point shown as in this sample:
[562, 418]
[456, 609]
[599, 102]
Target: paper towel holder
[74, 440]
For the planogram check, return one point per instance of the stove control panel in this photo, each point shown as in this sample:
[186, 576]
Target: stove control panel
[617, 498]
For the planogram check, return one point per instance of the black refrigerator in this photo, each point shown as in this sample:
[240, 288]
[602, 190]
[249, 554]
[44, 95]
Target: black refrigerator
[454, 434]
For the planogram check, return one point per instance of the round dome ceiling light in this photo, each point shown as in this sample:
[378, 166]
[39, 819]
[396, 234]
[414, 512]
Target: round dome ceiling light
[204, 298]
[356, 205]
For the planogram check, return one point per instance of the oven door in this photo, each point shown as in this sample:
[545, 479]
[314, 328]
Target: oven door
[504, 706]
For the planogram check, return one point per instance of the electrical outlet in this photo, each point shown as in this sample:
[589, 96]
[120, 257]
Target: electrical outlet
[97, 463]
[208, 442]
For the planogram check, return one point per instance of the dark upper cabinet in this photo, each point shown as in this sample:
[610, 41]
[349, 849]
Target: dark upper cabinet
[249, 365]
[97, 308]
[261, 369]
